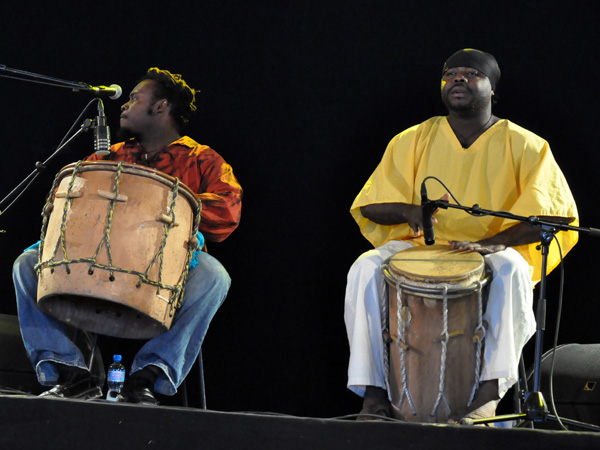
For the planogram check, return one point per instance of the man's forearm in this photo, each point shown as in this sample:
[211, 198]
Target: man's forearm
[389, 213]
[521, 234]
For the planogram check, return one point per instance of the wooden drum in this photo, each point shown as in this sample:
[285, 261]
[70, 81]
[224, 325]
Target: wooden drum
[115, 250]
[436, 301]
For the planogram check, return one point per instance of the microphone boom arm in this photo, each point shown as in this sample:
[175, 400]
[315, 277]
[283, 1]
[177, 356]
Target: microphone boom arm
[477, 210]
[76, 86]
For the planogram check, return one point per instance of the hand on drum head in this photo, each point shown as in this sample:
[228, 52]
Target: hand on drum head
[476, 247]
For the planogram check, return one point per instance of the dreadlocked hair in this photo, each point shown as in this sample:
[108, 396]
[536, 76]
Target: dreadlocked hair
[176, 91]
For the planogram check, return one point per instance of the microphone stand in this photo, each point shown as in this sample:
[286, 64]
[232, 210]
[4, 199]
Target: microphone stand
[40, 166]
[534, 406]
[76, 86]
[51, 81]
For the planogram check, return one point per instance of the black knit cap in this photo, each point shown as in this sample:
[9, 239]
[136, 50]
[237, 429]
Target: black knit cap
[482, 61]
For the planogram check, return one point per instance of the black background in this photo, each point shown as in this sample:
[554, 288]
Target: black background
[301, 98]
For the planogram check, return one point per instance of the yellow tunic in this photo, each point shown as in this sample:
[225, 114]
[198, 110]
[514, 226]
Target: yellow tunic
[508, 168]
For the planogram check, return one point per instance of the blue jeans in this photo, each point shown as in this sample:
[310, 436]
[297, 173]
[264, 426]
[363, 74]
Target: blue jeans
[47, 340]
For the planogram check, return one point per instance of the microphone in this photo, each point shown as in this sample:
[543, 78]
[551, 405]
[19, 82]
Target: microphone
[101, 132]
[427, 210]
[113, 91]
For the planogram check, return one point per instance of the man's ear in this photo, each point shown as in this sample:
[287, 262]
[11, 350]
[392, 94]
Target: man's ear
[160, 106]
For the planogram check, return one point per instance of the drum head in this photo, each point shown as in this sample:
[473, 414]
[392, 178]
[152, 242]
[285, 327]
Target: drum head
[437, 264]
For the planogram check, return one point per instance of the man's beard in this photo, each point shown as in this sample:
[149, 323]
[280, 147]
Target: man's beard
[476, 105]
[124, 134]
[470, 107]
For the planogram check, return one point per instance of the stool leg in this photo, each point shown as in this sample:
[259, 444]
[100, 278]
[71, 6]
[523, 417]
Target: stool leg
[184, 394]
[201, 377]
[183, 385]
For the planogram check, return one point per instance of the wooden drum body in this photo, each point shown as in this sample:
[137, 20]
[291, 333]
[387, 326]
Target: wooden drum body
[115, 249]
[436, 301]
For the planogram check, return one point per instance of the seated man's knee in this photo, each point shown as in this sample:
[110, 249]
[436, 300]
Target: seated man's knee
[210, 271]
[364, 264]
[24, 266]
[28, 259]
[508, 262]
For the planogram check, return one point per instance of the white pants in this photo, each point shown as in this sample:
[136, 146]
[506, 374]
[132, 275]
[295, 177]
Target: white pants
[509, 314]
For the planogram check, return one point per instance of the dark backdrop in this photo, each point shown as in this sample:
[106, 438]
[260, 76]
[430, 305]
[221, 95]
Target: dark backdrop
[301, 98]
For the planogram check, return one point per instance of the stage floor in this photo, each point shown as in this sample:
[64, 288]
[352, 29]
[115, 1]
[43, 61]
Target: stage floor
[33, 423]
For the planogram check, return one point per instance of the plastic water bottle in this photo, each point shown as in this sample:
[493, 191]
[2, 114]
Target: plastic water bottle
[115, 379]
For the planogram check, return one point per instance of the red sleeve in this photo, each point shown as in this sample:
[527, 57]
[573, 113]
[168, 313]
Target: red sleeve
[221, 197]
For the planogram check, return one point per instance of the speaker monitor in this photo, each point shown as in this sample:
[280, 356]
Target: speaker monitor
[576, 382]
[16, 372]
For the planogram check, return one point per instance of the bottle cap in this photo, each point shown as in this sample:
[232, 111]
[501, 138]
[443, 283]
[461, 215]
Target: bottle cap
[117, 358]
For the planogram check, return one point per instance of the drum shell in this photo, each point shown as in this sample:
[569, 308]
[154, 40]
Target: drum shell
[424, 317]
[119, 305]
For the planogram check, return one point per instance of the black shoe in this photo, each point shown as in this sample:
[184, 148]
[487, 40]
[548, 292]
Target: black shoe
[80, 386]
[139, 394]
[138, 388]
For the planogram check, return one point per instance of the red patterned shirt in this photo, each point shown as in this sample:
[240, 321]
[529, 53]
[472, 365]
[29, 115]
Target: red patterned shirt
[200, 168]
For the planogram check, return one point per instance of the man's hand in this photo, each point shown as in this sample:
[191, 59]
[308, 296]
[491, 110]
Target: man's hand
[520, 234]
[475, 247]
[434, 221]
[414, 219]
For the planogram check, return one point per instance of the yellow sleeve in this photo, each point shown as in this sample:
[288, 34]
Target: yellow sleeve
[392, 181]
[544, 192]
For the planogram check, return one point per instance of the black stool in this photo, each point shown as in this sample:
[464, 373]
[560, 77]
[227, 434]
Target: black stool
[97, 359]
[183, 386]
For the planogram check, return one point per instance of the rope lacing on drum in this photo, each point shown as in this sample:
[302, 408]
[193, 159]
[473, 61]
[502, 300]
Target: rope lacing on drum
[47, 210]
[61, 243]
[159, 255]
[402, 346]
[444, 342]
[479, 335]
[385, 314]
[178, 299]
[106, 238]
[143, 277]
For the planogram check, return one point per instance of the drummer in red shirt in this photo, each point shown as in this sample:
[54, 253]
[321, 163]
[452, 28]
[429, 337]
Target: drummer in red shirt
[152, 122]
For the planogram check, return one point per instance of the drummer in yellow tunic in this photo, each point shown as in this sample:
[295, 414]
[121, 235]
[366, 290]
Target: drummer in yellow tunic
[483, 160]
